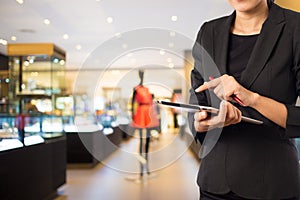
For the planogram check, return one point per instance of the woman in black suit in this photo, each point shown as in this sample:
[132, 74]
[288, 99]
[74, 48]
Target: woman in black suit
[257, 52]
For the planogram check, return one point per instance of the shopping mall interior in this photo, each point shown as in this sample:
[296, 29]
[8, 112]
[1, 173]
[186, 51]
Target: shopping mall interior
[69, 75]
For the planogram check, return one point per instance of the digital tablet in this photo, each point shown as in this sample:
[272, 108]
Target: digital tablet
[195, 108]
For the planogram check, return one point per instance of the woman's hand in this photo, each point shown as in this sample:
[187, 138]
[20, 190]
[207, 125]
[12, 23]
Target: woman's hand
[225, 87]
[228, 114]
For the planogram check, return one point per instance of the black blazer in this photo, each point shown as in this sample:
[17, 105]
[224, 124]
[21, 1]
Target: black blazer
[253, 161]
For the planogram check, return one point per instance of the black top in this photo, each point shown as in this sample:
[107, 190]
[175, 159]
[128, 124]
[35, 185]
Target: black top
[240, 49]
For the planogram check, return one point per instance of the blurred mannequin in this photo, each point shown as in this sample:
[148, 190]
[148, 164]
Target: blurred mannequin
[143, 117]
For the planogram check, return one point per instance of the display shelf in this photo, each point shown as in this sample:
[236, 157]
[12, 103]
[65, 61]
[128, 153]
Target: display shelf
[8, 144]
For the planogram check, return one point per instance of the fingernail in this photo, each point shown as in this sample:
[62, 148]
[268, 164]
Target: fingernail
[199, 89]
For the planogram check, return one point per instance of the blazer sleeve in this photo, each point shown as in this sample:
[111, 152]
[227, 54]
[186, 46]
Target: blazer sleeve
[293, 116]
[196, 81]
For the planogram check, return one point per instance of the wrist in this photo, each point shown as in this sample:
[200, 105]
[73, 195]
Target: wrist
[254, 100]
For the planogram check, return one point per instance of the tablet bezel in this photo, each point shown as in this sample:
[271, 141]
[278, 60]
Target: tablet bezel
[196, 108]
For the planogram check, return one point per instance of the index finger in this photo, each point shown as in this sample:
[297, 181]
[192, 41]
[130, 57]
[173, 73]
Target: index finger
[208, 85]
[202, 87]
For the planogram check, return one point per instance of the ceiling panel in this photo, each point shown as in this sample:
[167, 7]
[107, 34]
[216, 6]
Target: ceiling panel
[85, 23]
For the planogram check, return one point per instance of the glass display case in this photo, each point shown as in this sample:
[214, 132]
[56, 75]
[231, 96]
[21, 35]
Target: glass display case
[43, 160]
[36, 78]
[36, 128]
[14, 131]
[37, 75]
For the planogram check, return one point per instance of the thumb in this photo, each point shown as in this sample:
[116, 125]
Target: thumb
[223, 111]
[200, 115]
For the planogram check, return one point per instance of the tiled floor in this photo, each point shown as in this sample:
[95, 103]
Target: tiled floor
[173, 174]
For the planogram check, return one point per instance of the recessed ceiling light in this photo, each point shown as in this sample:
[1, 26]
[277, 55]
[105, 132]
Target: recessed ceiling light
[13, 38]
[78, 47]
[171, 65]
[3, 42]
[162, 52]
[66, 36]
[20, 1]
[118, 35]
[46, 21]
[174, 18]
[171, 44]
[172, 34]
[110, 20]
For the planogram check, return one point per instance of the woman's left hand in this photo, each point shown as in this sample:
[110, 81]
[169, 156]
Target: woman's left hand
[226, 86]
[228, 114]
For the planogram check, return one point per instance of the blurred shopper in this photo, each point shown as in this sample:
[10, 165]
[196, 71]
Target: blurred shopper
[20, 123]
[257, 51]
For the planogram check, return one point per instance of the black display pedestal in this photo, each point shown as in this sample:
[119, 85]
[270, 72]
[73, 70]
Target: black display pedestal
[33, 172]
[89, 148]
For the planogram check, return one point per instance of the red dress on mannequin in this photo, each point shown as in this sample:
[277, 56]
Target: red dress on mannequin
[145, 115]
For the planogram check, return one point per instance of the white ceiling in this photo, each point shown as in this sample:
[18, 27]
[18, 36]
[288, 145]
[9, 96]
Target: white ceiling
[143, 24]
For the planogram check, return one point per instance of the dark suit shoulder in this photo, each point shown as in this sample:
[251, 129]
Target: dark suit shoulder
[292, 21]
[289, 15]
[217, 22]
[210, 25]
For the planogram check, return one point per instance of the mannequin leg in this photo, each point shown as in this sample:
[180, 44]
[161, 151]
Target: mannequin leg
[141, 151]
[147, 149]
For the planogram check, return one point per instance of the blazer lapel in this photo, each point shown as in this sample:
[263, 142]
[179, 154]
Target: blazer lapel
[264, 45]
[221, 44]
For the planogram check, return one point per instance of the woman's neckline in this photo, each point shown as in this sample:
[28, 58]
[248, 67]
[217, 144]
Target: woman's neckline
[245, 35]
